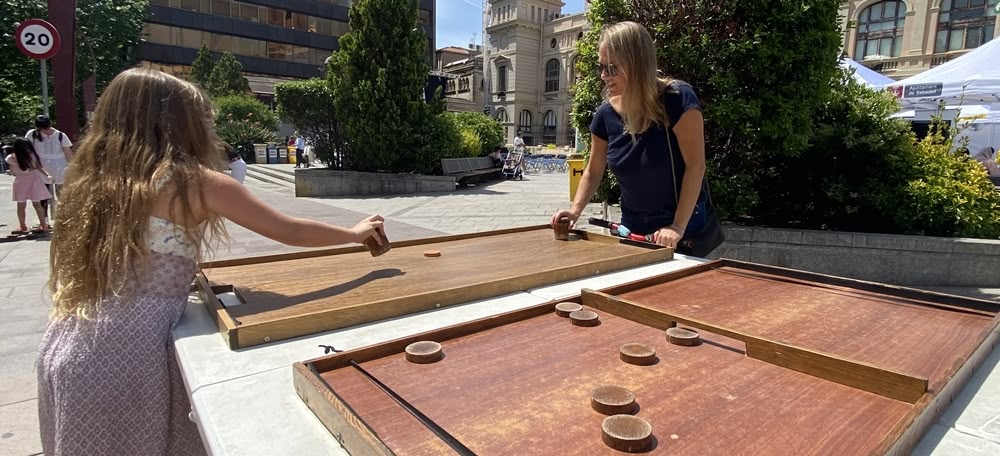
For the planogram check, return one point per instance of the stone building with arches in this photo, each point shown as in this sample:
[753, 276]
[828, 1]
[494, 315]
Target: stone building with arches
[529, 63]
[901, 38]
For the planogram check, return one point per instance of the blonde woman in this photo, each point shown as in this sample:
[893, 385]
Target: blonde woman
[650, 132]
[142, 195]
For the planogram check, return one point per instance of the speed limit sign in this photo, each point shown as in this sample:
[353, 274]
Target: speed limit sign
[37, 39]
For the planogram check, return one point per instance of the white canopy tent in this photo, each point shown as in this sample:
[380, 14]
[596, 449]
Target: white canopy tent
[864, 74]
[973, 78]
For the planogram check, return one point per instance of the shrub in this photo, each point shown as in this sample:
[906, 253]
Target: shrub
[243, 134]
[488, 130]
[245, 107]
[470, 145]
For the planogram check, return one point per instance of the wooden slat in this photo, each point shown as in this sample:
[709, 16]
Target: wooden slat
[863, 376]
[342, 422]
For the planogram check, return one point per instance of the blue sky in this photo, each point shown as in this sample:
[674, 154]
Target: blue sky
[458, 20]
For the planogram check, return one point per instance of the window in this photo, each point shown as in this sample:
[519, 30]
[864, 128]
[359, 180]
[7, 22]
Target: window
[965, 24]
[532, 13]
[552, 75]
[549, 128]
[221, 8]
[502, 116]
[501, 78]
[552, 44]
[880, 30]
[524, 122]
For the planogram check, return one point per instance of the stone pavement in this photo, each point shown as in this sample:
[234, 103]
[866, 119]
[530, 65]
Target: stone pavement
[24, 304]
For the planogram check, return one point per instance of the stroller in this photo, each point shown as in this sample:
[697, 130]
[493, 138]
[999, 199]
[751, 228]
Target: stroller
[513, 165]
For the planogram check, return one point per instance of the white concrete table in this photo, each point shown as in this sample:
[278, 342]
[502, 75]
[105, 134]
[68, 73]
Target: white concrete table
[246, 405]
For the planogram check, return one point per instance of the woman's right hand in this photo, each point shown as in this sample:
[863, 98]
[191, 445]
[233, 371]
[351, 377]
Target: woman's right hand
[368, 227]
[564, 213]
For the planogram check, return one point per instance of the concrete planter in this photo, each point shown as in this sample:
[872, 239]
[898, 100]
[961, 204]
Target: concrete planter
[894, 259]
[329, 182]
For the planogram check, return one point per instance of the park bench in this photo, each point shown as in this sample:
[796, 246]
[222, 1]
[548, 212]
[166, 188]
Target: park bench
[468, 170]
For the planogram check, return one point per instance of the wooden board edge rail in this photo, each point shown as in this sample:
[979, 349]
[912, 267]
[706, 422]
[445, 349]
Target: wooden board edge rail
[248, 335]
[873, 379]
[242, 261]
[226, 324]
[907, 435]
[336, 415]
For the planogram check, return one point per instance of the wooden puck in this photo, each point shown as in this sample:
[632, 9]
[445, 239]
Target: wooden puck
[683, 336]
[627, 433]
[424, 352]
[584, 318]
[638, 354]
[612, 400]
[563, 309]
[432, 253]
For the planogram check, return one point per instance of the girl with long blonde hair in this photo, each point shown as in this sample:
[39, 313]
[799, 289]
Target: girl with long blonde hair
[650, 132]
[142, 196]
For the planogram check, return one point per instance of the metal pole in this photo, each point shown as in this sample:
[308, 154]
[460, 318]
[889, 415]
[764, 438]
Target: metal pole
[45, 88]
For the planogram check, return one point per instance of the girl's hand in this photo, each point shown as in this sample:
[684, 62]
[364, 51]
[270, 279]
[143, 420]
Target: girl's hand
[368, 227]
[667, 236]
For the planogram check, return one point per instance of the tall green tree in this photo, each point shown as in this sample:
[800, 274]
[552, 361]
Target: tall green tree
[378, 77]
[201, 68]
[227, 78]
[106, 35]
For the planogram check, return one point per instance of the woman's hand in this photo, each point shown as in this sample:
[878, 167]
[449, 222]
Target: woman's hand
[564, 213]
[668, 236]
[368, 228]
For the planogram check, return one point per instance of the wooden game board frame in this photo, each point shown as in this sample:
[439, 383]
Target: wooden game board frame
[241, 335]
[359, 439]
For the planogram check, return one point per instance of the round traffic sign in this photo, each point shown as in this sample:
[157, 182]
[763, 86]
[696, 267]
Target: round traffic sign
[37, 39]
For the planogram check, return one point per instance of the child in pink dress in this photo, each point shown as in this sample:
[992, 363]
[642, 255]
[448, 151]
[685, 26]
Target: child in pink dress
[29, 183]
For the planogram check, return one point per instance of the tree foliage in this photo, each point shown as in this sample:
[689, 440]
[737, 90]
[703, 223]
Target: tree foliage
[309, 106]
[202, 66]
[227, 78]
[378, 77]
[107, 33]
[245, 107]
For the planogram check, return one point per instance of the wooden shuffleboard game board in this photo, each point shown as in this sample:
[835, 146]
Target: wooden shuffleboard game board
[786, 362]
[270, 298]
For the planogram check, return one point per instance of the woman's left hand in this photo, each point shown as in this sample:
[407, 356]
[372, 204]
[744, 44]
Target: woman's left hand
[667, 237]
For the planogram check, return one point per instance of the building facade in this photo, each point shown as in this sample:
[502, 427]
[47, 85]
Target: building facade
[901, 38]
[528, 62]
[464, 68]
[274, 40]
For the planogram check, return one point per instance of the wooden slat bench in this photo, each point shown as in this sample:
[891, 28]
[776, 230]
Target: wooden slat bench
[468, 170]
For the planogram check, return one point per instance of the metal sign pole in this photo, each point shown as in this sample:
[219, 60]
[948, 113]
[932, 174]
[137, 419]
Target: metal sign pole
[45, 88]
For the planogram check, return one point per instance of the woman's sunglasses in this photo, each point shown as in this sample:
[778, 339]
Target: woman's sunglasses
[610, 68]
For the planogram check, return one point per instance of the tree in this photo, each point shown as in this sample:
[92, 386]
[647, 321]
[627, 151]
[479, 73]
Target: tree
[309, 106]
[378, 77]
[107, 33]
[227, 78]
[201, 68]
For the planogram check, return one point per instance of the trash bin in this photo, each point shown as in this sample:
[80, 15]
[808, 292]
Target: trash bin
[576, 165]
[272, 155]
[260, 153]
[282, 155]
[291, 155]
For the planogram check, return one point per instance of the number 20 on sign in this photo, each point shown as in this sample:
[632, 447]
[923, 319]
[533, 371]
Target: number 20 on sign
[39, 40]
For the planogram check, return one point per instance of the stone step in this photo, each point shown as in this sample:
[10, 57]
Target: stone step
[275, 173]
[253, 173]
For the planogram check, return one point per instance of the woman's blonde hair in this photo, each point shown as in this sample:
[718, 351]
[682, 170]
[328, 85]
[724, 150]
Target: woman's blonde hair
[151, 132]
[630, 48]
